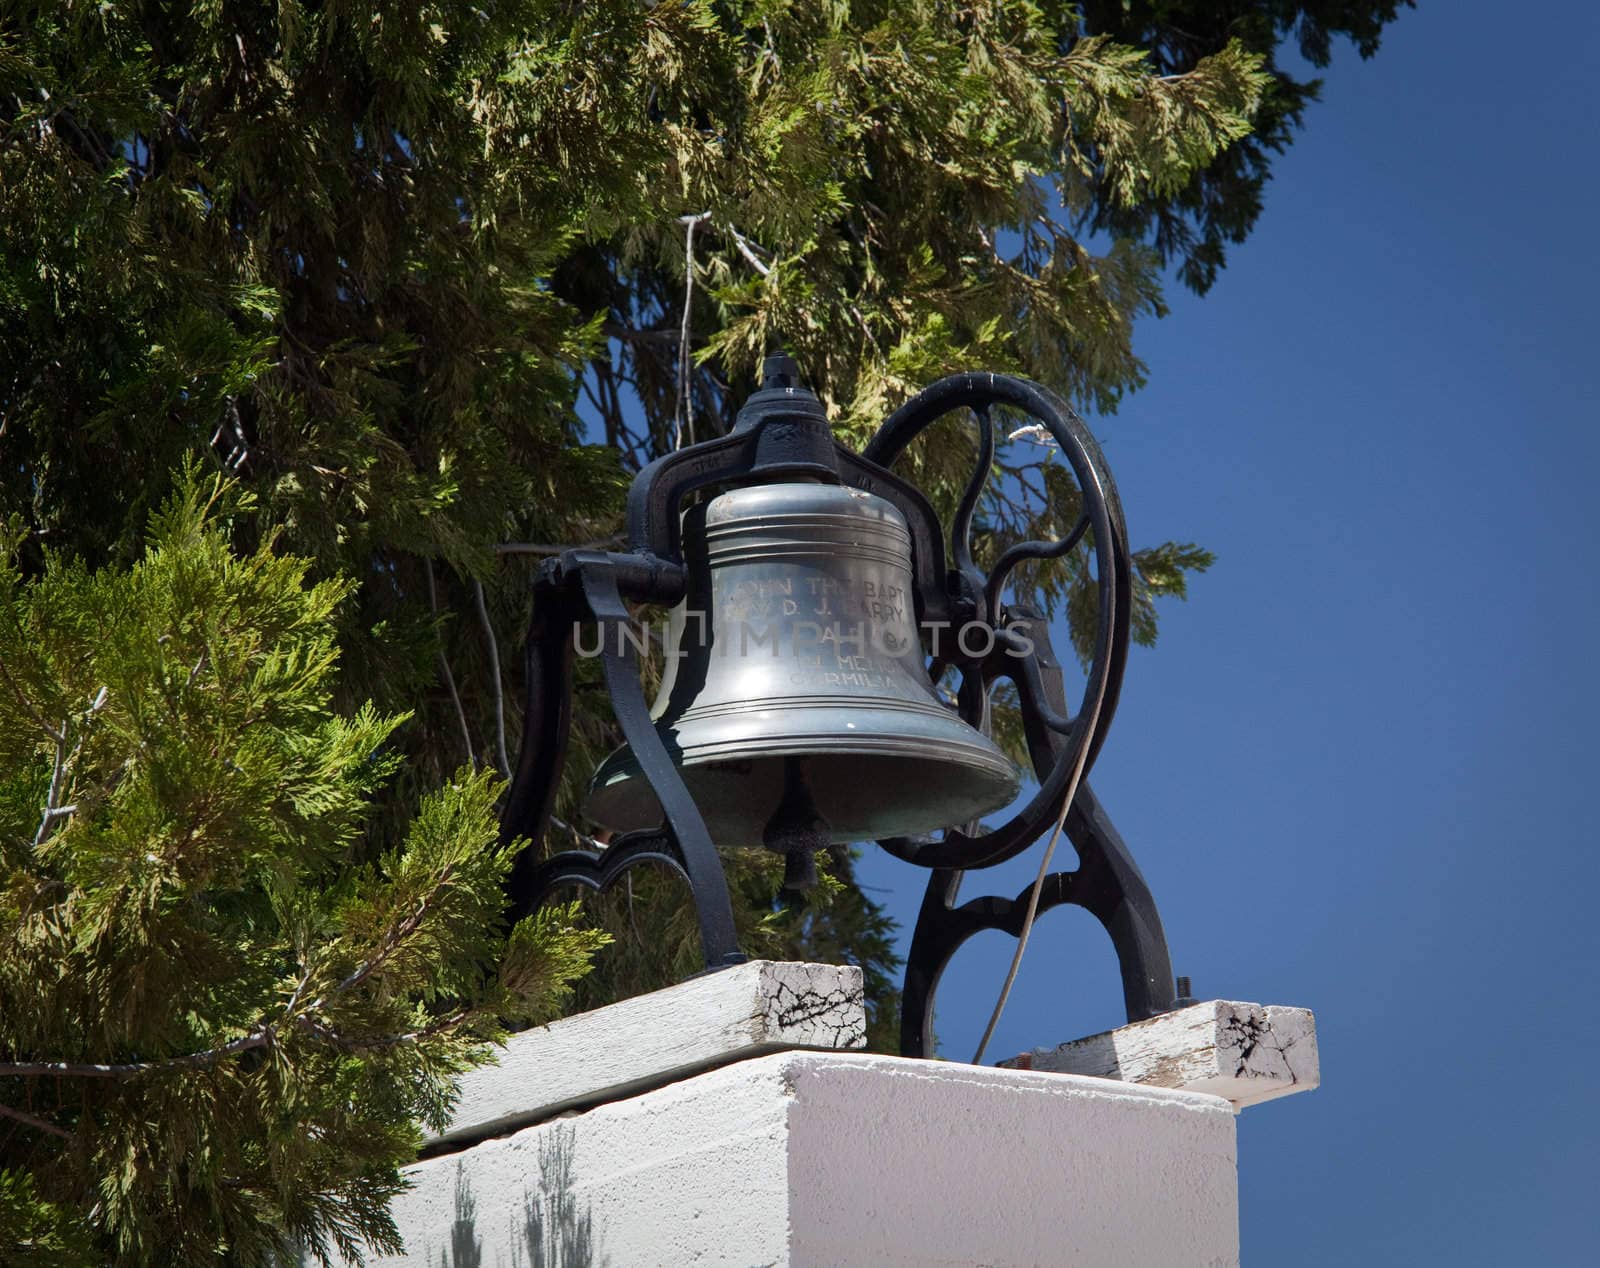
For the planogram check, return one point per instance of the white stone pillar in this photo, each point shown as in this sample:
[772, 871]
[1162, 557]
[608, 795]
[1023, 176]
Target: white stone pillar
[759, 1141]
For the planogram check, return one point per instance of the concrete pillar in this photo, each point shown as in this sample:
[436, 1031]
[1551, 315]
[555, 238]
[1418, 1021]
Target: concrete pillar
[772, 1142]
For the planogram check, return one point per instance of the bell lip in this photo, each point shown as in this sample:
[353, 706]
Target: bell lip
[842, 700]
[621, 768]
[845, 743]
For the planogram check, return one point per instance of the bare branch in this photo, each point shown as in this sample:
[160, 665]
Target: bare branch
[38, 1124]
[865, 328]
[494, 681]
[63, 761]
[257, 1038]
[1035, 433]
[539, 548]
[300, 987]
[582, 838]
[684, 405]
[627, 334]
[58, 769]
[745, 247]
[444, 669]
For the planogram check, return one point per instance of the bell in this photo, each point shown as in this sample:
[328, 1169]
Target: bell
[796, 700]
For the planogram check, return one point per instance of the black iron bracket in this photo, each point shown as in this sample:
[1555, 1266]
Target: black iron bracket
[586, 585]
[782, 433]
[1107, 881]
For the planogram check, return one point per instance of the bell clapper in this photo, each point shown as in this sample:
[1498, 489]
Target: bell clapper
[796, 830]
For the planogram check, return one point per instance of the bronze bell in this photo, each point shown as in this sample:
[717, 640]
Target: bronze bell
[796, 699]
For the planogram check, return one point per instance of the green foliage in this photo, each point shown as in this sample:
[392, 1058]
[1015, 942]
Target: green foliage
[1220, 202]
[37, 1233]
[218, 1031]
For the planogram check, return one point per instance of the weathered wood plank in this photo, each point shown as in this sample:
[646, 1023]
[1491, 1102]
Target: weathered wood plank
[625, 1048]
[1247, 1053]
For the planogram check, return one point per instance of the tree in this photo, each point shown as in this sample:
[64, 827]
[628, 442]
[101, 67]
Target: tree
[232, 1025]
[426, 278]
[1220, 202]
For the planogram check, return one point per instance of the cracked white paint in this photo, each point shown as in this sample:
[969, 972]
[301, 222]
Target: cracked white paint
[839, 1159]
[811, 1005]
[653, 1039]
[1247, 1053]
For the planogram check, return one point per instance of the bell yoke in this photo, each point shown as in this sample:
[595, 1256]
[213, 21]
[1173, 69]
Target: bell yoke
[797, 708]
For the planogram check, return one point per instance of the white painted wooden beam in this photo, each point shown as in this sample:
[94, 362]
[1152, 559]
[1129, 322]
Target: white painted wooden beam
[1246, 1053]
[626, 1048]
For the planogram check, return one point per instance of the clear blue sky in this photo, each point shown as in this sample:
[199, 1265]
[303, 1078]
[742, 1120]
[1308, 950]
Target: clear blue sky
[1357, 771]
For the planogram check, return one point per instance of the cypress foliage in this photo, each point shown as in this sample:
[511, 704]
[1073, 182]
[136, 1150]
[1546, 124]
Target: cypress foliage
[420, 279]
[221, 1026]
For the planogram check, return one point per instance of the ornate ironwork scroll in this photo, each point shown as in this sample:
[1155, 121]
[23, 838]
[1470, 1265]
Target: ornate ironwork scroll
[783, 433]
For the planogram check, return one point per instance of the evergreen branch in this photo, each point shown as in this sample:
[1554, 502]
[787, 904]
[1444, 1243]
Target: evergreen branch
[494, 681]
[27, 706]
[433, 1028]
[300, 986]
[391, 943]
[320, 350]
[39, 1124]
[379, 1042]
[95, 152]
[263, 1033]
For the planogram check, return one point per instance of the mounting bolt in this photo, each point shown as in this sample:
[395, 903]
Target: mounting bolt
[779, 371]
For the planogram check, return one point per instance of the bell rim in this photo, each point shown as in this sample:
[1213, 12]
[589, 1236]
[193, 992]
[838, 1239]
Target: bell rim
[800, 704]
[621, 768]
[851, 744]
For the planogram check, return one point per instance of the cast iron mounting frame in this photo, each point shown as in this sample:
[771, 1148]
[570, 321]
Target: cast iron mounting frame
[782, 432]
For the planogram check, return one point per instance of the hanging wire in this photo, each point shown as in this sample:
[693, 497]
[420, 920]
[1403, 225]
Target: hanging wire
[444, 668]
[502, 763]
[682, 406]
[1033, 894]
[1093, 721]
